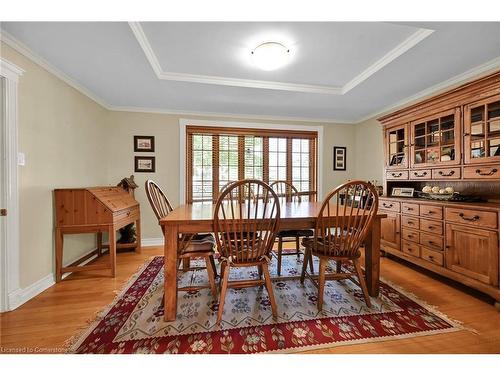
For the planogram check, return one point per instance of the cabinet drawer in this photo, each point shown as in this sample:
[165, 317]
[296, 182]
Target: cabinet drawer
[446, 173]
[482, 172]
[431, 241]
[477, 218]
[397, 175]
[431, 226]
[434, 212]
[410, 208]
[411, 249]
[389, 205]
[432, 256]
[420, 174]
[411, 235]
[132, 213]
[411, 222]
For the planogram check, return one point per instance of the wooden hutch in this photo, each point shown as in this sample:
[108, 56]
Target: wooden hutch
[452, 139]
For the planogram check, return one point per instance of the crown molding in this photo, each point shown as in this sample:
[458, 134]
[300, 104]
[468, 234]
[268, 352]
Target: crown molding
[449, 84]
[227, 115]
[33, 56]
[393, 54]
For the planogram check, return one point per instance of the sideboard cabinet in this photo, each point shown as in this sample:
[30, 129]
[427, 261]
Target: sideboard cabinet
[452, 139]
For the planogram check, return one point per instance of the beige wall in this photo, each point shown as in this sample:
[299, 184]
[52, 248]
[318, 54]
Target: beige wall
[369, 150]
[124, 125]
[60, 131]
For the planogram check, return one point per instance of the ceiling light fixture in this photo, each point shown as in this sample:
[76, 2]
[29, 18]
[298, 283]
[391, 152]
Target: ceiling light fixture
[270, 55]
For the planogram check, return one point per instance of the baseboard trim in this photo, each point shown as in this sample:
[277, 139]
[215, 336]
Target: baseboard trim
[20, 296]
[158, 241]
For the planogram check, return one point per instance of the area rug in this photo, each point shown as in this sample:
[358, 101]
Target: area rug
[134, 323]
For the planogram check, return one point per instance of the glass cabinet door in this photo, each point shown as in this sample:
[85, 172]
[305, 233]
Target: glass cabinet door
[482, 131]
[435, 140]
[397, 146]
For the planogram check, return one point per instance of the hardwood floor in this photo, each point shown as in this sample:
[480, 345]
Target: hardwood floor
[45, 322]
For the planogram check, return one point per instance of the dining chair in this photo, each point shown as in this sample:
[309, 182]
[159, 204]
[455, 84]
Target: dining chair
[190, 246]
[288, 193]
[343, 222]
[245, 231]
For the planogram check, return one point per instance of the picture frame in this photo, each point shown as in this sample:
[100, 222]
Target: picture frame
[144, 164]
[339, 158]
[144, 143]
[402, 192]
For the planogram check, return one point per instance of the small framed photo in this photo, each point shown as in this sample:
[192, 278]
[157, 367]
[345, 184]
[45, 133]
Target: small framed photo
[339, 158]
[145, 164]
[144, 143]
[402, 192]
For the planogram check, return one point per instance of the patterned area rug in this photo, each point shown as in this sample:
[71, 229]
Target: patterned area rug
[133, 323]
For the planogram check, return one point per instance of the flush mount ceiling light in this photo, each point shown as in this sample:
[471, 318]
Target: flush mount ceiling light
[270, 55]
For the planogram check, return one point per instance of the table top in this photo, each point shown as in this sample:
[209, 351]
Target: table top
[204, 212]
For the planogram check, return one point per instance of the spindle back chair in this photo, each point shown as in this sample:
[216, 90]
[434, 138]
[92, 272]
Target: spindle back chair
[190, 245]
[343, 222]
[245, 229]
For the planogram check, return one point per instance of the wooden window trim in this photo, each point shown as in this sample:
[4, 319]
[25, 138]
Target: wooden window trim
[265, 134]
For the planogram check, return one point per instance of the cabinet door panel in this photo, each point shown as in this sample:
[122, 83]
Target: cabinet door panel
[390, 230]
[472, 252]
[396, 147]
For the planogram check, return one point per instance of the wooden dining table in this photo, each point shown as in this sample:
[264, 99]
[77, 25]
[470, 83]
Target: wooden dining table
[198, 218]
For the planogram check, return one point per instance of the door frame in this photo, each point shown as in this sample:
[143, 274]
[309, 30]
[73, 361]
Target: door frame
[9, 199]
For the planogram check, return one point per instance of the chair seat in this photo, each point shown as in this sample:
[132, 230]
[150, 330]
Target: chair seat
[198, 243]
[320, 248]
[296, 233]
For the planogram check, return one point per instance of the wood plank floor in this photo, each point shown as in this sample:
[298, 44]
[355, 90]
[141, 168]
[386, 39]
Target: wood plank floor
[45, 322]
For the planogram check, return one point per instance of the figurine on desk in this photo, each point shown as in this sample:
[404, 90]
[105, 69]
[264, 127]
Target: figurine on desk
[94, 210]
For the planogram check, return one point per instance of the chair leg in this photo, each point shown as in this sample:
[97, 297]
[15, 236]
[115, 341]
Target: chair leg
[269, 287]
[297, 246]
[311, 264]
[211, 276]
[362, 281]
[186, 264]
[222, 297]
[280, 250]
[339, 265]
[214, 267]
[222, 268]
[304, 265]
[321, 282]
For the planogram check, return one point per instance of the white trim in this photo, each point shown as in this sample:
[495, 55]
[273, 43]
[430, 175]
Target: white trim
[158, 241]
[37, 59]
[249, 125]
[393, 54]
[455, 81]
[226, 115]
[21, 296]
[9, 248]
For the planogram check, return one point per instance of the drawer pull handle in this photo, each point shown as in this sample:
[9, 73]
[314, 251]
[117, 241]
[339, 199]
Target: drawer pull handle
[451, 173]
[431, 257]
[410, 222]
[387, 205]
[396, 174]
[432, 243]
[430, 212]
[490, 173]
[431, 227]
[420, 175]
[409, 208]
[474, 218]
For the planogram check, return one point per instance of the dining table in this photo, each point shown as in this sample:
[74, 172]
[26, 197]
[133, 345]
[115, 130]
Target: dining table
[199, 218]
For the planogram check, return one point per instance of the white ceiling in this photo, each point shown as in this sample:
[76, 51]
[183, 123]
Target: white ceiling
[340, 71]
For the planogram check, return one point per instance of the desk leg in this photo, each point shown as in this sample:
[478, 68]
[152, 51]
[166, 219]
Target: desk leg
[171, 234]
[59, 253]
[372, 258]
[112, 249]
[138, 235]
[99, 244]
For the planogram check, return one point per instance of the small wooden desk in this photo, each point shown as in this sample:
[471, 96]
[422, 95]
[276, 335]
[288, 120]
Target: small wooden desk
[198, 218]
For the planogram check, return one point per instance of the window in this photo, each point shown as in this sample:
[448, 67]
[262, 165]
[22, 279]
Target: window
[217, 156]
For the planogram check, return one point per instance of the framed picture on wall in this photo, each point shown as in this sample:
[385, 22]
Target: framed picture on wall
[144, 164]
[339, 158]
[144, 143]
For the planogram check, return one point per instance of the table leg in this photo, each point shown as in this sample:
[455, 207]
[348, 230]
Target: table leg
[112, 249]
[171, 234]
[99, 244]
[372, 258]
[59, 253]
